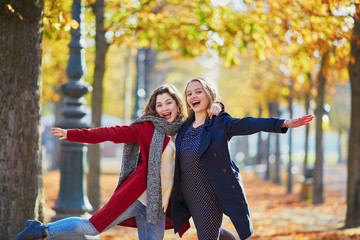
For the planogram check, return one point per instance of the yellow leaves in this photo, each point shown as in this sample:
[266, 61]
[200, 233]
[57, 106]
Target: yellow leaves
[57, 26]
[190, 37]
[174, 44]
[278, 20]
[11, 9]
[275, 4]
[260, 53]
[151, 17]
[247, 29]
[285, 91]
[261, 4]
[144, 42]
[231, 57]
[74, 24]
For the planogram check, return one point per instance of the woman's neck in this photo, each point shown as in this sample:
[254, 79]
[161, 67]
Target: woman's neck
[199, 119]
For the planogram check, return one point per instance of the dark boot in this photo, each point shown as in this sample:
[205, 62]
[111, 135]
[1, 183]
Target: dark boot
[34, 231]
[226, 235]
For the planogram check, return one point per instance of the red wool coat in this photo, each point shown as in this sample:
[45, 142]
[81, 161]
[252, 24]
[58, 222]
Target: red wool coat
[131, 189]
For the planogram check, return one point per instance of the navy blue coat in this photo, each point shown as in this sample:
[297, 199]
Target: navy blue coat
[222, 173]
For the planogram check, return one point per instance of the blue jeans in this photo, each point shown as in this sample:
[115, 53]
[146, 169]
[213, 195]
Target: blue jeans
[75, 225]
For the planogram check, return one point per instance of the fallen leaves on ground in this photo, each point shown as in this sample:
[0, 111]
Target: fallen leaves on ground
[276, 215]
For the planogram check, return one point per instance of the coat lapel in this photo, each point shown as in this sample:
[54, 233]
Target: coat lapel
[206, 137]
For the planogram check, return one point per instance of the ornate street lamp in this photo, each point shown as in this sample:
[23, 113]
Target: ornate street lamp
[72, 199]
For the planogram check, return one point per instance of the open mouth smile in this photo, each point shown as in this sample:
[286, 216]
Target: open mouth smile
[167, 116]
[195, 104]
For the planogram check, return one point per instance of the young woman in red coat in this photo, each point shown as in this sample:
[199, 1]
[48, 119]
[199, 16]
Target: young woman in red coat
[145, 181]
[207, 183]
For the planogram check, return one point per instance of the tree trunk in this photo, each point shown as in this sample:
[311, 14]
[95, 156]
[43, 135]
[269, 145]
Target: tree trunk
[307, 129]
[260, 148]
[353, 185]
[277, 178]
[20, 96]
[267, 158]
[152, 80]
[304, 187]
[290, 176]
[259, 154]
[93, 187]
[274, 111]
[147, 78]
[245, 149]
[318, 189]
[339, 147]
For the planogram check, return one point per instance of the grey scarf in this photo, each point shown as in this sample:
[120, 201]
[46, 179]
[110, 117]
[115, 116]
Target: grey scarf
[131, 159]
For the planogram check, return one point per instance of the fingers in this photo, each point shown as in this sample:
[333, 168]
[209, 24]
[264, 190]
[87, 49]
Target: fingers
[59, 133]
[210, 113]
[304, 120]
[214, 110]
[307, 119]
[54, 130]
[297, 122]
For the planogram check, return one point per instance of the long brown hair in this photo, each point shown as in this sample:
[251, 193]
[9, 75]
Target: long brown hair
[209, 90]
[149, 108]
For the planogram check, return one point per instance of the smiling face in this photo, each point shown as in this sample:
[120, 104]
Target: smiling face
[196, 97]
[166, 107]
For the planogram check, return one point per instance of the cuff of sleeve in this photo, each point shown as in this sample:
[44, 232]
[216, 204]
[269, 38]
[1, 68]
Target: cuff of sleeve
[69, 134]
[279, 128]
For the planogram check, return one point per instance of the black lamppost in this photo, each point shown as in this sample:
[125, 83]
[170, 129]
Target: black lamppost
[72, 199]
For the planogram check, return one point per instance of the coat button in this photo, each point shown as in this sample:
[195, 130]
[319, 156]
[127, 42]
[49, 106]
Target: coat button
[224, 170]
[215, 155]
[233, 186]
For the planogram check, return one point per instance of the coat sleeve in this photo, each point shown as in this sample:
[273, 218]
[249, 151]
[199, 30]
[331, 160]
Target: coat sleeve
[249, 125]
[116, 134]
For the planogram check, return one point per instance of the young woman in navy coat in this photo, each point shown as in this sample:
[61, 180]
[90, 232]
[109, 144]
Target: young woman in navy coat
[206, 182]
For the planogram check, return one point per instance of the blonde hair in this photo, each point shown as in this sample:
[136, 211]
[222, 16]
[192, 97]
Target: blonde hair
[210, 91]
[149, 108]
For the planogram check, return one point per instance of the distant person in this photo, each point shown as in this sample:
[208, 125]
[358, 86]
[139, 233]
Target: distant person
[207, 183]
[146, 177]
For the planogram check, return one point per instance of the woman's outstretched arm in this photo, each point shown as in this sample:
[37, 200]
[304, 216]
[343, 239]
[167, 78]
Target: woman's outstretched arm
[116, 134]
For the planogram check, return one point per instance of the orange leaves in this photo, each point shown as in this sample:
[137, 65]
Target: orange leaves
[11, 9]
[352, 60]
[276, 215]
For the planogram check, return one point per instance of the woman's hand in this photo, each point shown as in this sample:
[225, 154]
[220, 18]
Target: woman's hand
[62, 133]
[215, 109]
[297, 122]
